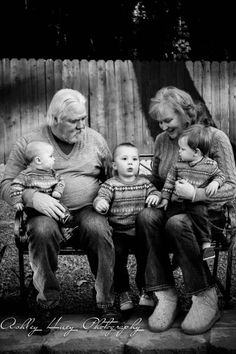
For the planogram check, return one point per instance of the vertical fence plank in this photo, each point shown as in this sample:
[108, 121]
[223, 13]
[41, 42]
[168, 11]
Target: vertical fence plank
[101, 85]
[215, 93]
[111, 104]
[57, 74]
[3, 127]
[127, 93]
[197, 77]
[49, 79]
[67, 74]
[93, 83]
[42, 109]
[10, 139]
[84, 82]
[119, 126]
[34, 93]
[75, 75]
[15, 94]
[206, 85]
[224, 97]
[134, 71]
[232, 102]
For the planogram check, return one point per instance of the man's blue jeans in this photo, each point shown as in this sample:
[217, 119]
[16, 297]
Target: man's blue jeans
[94, 235]
[176, 235]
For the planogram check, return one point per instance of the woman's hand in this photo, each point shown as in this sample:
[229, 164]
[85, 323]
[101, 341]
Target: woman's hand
[184, 189]
[152, 200]
[48, 206]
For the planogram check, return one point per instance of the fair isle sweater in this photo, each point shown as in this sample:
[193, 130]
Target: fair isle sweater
[126, 200]
[166, 153]
[199, 174]
[44, 181]
[83, 169]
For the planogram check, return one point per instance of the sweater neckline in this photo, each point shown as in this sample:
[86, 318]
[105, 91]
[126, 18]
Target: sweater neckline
[76, 146]
[126, 183]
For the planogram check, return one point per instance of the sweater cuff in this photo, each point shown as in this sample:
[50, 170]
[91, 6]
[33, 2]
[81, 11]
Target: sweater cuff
[199, 195]
[27, 196]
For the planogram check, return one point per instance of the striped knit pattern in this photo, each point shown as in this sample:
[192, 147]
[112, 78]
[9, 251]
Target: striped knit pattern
[41, 180]
[126, 200]
[166, 153]
[199, 174]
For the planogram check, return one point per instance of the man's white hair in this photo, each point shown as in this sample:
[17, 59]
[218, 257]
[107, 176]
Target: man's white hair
[60, 102]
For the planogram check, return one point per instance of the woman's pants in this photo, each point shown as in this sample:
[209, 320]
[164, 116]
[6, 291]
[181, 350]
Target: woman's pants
[174, 236]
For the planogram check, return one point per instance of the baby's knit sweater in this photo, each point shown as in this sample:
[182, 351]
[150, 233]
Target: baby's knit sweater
[199, 174]
[126, 200]
[44, 181]
[166, 153]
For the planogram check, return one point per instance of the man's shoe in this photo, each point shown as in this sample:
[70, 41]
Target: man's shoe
[43, 318]
[146, 299]
[125, 302]
[208, 253]
[111, 316]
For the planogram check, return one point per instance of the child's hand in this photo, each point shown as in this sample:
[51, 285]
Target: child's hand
[163, 204]
[102, 206]
[212, 188]
[56, 195]
[19, 206]
[152, 200]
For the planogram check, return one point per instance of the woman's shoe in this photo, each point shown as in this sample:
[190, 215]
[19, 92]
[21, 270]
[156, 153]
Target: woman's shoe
[165, 312]
[203, 313]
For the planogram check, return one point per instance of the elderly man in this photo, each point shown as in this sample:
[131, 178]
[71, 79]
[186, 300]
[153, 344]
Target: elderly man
[83, 158]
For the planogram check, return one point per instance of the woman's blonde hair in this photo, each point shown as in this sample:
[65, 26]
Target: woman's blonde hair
[60, 102]
[180, 101]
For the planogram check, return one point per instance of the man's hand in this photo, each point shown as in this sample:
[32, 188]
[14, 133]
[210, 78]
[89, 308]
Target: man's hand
[152, 200]
[184, 189]
[48, 206]
[102, 206]
[163, 204]
[212, 188]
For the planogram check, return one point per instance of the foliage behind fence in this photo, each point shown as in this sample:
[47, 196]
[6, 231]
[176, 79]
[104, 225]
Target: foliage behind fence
[118, 95]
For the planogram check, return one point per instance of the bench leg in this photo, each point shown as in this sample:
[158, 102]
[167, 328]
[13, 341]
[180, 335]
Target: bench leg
[228, 277]
[22, 275]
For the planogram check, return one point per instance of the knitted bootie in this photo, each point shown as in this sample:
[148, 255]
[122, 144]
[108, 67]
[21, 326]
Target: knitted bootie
[165, 312]
[203, 313]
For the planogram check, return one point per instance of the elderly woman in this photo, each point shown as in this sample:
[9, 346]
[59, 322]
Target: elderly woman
[175, 111]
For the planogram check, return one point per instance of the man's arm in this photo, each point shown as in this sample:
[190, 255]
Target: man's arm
[15, 164]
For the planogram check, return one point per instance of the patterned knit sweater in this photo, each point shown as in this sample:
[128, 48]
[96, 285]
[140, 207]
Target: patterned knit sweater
[126, 200]
[44, 181]
[83, 169]
[166, 153]
[199, 174]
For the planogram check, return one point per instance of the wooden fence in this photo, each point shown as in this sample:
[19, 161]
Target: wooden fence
[118, 95]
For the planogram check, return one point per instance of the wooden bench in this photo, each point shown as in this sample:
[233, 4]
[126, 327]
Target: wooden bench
[219, 246]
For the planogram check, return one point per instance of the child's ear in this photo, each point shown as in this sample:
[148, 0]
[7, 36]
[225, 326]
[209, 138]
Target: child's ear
[198, 152]
[37, 160]
[114, 166]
